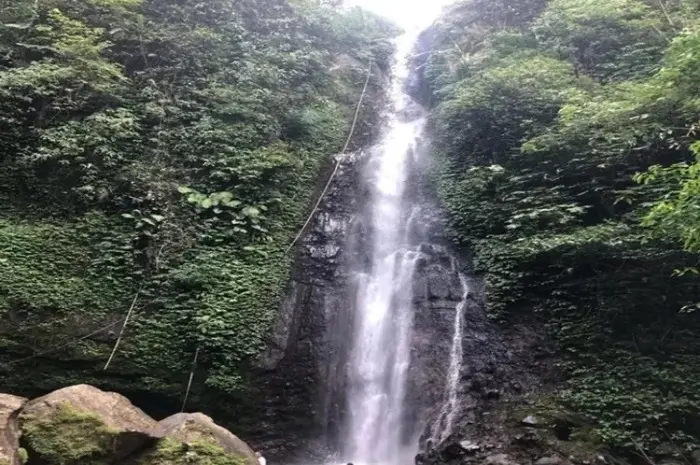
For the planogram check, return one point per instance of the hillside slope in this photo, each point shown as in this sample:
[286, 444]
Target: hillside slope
[564, 137]
[157, 158]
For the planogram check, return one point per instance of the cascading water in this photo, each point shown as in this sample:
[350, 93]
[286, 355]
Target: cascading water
[365, 362]
[376, 429]
[380, 355]
[442, 428]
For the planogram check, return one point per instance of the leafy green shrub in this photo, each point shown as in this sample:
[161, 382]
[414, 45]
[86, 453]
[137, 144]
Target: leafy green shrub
[164, 154]
[540, 126]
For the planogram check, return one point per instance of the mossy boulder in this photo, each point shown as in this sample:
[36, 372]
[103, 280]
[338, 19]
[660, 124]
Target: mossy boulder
[82, 424]
[196, 429]
[68, 436]
[9, 433]
[170, 451]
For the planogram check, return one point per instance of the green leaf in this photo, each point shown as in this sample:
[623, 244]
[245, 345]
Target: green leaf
[252, 212]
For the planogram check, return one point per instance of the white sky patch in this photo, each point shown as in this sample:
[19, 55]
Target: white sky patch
[412, 15]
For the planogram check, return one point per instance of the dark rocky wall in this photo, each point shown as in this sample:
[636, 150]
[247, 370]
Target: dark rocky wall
[506, 371]
[300, 380]
[498, 366]
[300, 376]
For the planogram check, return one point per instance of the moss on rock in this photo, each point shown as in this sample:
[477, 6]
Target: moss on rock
[194, 428]
[67, 436]
[23, 455]
[70, 436]
[172, 452]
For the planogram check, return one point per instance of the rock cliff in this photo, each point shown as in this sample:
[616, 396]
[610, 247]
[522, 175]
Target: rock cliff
[303, 371]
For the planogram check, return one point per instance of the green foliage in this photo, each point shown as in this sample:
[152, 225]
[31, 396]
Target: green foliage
[676, 215]
[541, 127]
[514, 101]
[49, 266]
[616, 39]
[67, 436]
[632, 404]
[23, 455]
[166, 152]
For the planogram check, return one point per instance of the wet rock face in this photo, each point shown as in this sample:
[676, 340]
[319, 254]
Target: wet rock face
[500, 367]
[300, 377]
[437, 293]
[300, 382]
[501, 371]
[411, 112]
[416, 84]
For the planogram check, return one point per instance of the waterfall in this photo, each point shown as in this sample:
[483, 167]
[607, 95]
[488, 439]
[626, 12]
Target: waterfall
[367, 349]
[380, 354]
[390, 251]
[442, 427]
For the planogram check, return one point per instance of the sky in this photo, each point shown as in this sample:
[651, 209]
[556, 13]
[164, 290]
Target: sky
[409, 14]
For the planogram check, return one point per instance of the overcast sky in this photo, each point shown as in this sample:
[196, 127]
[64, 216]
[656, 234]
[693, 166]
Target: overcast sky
[409, 14]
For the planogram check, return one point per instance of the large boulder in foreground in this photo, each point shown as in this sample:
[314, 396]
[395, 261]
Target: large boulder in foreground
[193, 428]
[81, 424]
[9, 433]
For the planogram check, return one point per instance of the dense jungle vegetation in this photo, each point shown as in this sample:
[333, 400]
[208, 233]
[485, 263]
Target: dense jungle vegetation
[160, 156]
[566, 144]
[157, 157]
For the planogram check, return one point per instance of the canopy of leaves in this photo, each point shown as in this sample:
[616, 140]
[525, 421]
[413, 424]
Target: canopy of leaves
[545, 114]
